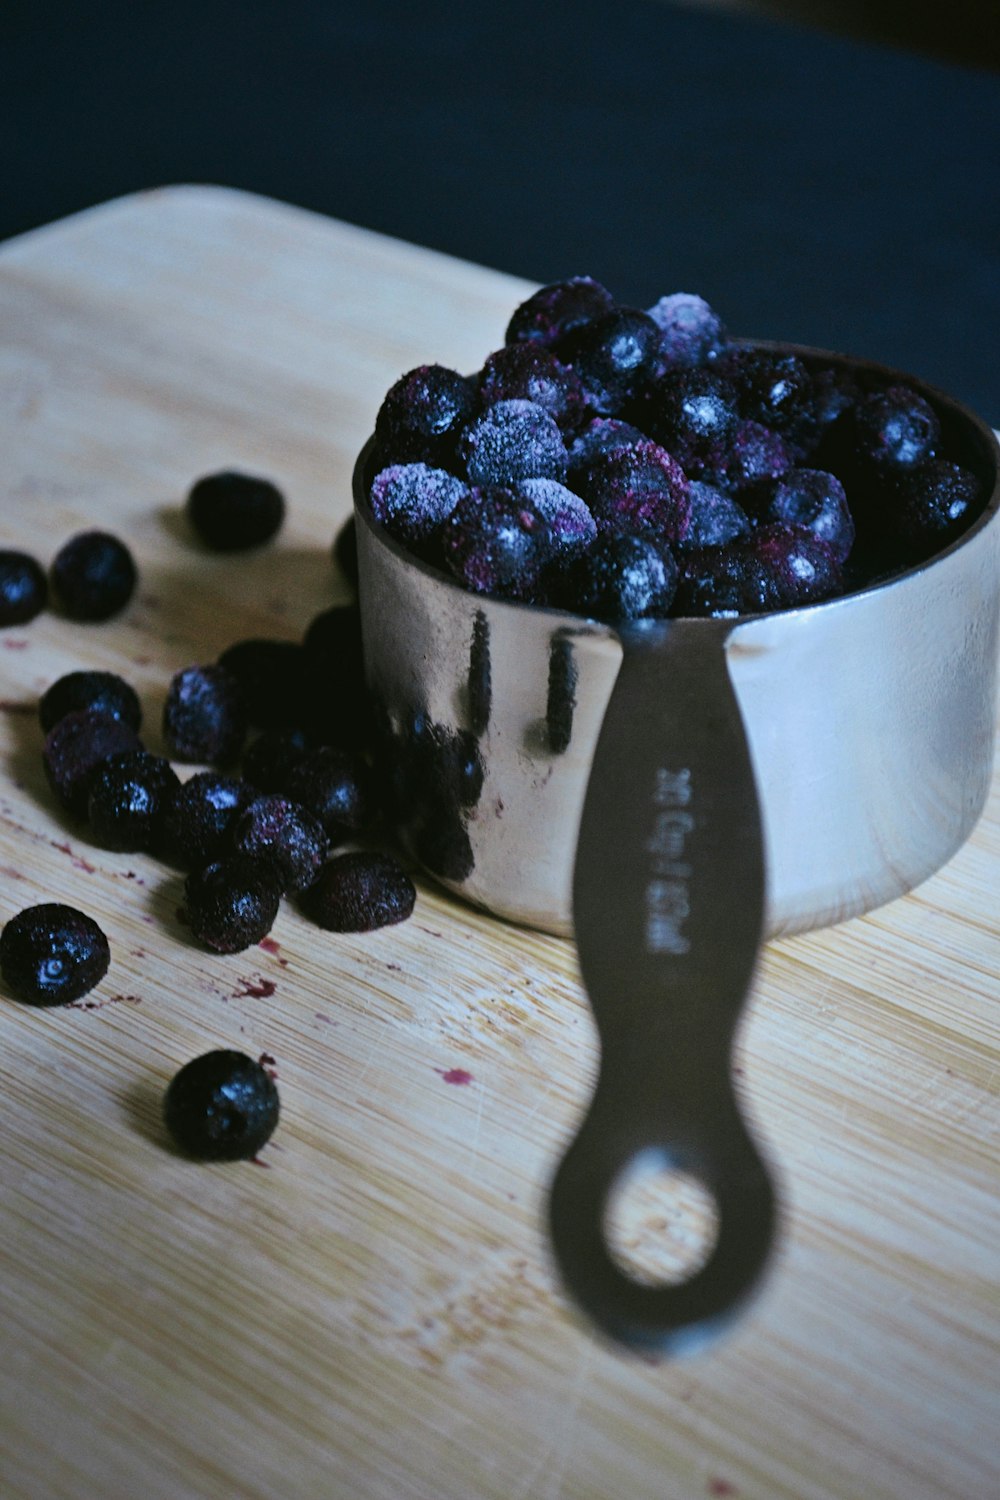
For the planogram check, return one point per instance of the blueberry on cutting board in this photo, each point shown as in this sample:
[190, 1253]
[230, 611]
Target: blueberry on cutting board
[222, 1106]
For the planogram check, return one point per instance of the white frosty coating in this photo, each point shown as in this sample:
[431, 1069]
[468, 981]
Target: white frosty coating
[600, 436]
[530, 372]
[715, 517]
[412, 500]
[692, 330]
[513, 440]
[757, 453]
[569, 518]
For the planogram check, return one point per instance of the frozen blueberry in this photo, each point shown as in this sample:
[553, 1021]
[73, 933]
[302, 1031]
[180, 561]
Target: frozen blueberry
[333, 643]
[104, 692]
[496, 542]
[222, 1106]
[232, 511]
[722, 582]
[442, 844]
[442, 765]
[199, 817]
[601, 435]
[928, 508]
[716, 518]
[553, 311]
[430, 778]
[754, 453]
[893, 430]
[277, 832]
[809, 498]
[800, 568]
[52, 954]
[430, 768]
[513, 440]
[639, 490]
[412, 501]
[359, 892]
[692, 413]
[232, 903]
[774, 389]
[128, 796]
[272, 755]
[75, 746]
[422, 415]
[24, 589]
[691, 332]
[273, 679]
[571, 525]
[835, 390]
[613, 356]
[93, 576]
[622, 578]
[333, 786]
[529, 372]
[204, 717]
[335, 667]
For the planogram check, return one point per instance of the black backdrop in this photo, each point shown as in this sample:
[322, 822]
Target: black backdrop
[812, 188]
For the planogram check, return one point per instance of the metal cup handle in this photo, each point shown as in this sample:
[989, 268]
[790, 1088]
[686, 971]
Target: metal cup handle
[668, 900]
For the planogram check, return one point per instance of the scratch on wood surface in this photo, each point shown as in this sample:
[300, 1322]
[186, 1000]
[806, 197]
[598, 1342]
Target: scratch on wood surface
[480, 1091]
[541, 1102]
[555, 1456]
[373, 1051]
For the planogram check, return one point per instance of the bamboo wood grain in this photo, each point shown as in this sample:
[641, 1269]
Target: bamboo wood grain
[373, 1314]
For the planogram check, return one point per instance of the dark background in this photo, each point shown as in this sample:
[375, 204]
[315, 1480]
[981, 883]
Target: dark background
[813, 187]
[966, 31]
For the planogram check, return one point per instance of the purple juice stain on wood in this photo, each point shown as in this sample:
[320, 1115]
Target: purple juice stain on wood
[454, 1075]
[269, 945]
[78, 861]
[108, 1000]
[257, 989]
[17, 645]
[718, 1486]
[269, 1064]
[327, 1020]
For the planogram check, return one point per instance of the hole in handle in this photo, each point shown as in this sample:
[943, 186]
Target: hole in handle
[661, 1223]
[672, 1293]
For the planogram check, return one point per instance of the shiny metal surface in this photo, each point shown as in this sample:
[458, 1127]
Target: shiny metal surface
[870, 721]
[842, 753]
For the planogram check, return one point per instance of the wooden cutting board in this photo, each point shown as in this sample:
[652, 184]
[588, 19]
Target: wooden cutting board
[372, 1312]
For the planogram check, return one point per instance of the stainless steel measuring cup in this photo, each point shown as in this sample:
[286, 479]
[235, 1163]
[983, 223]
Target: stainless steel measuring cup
[671, 793]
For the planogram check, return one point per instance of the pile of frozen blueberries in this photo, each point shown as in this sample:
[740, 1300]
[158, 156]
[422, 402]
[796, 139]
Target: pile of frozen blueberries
[288, 783]
[264, 821]
[625, 464]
